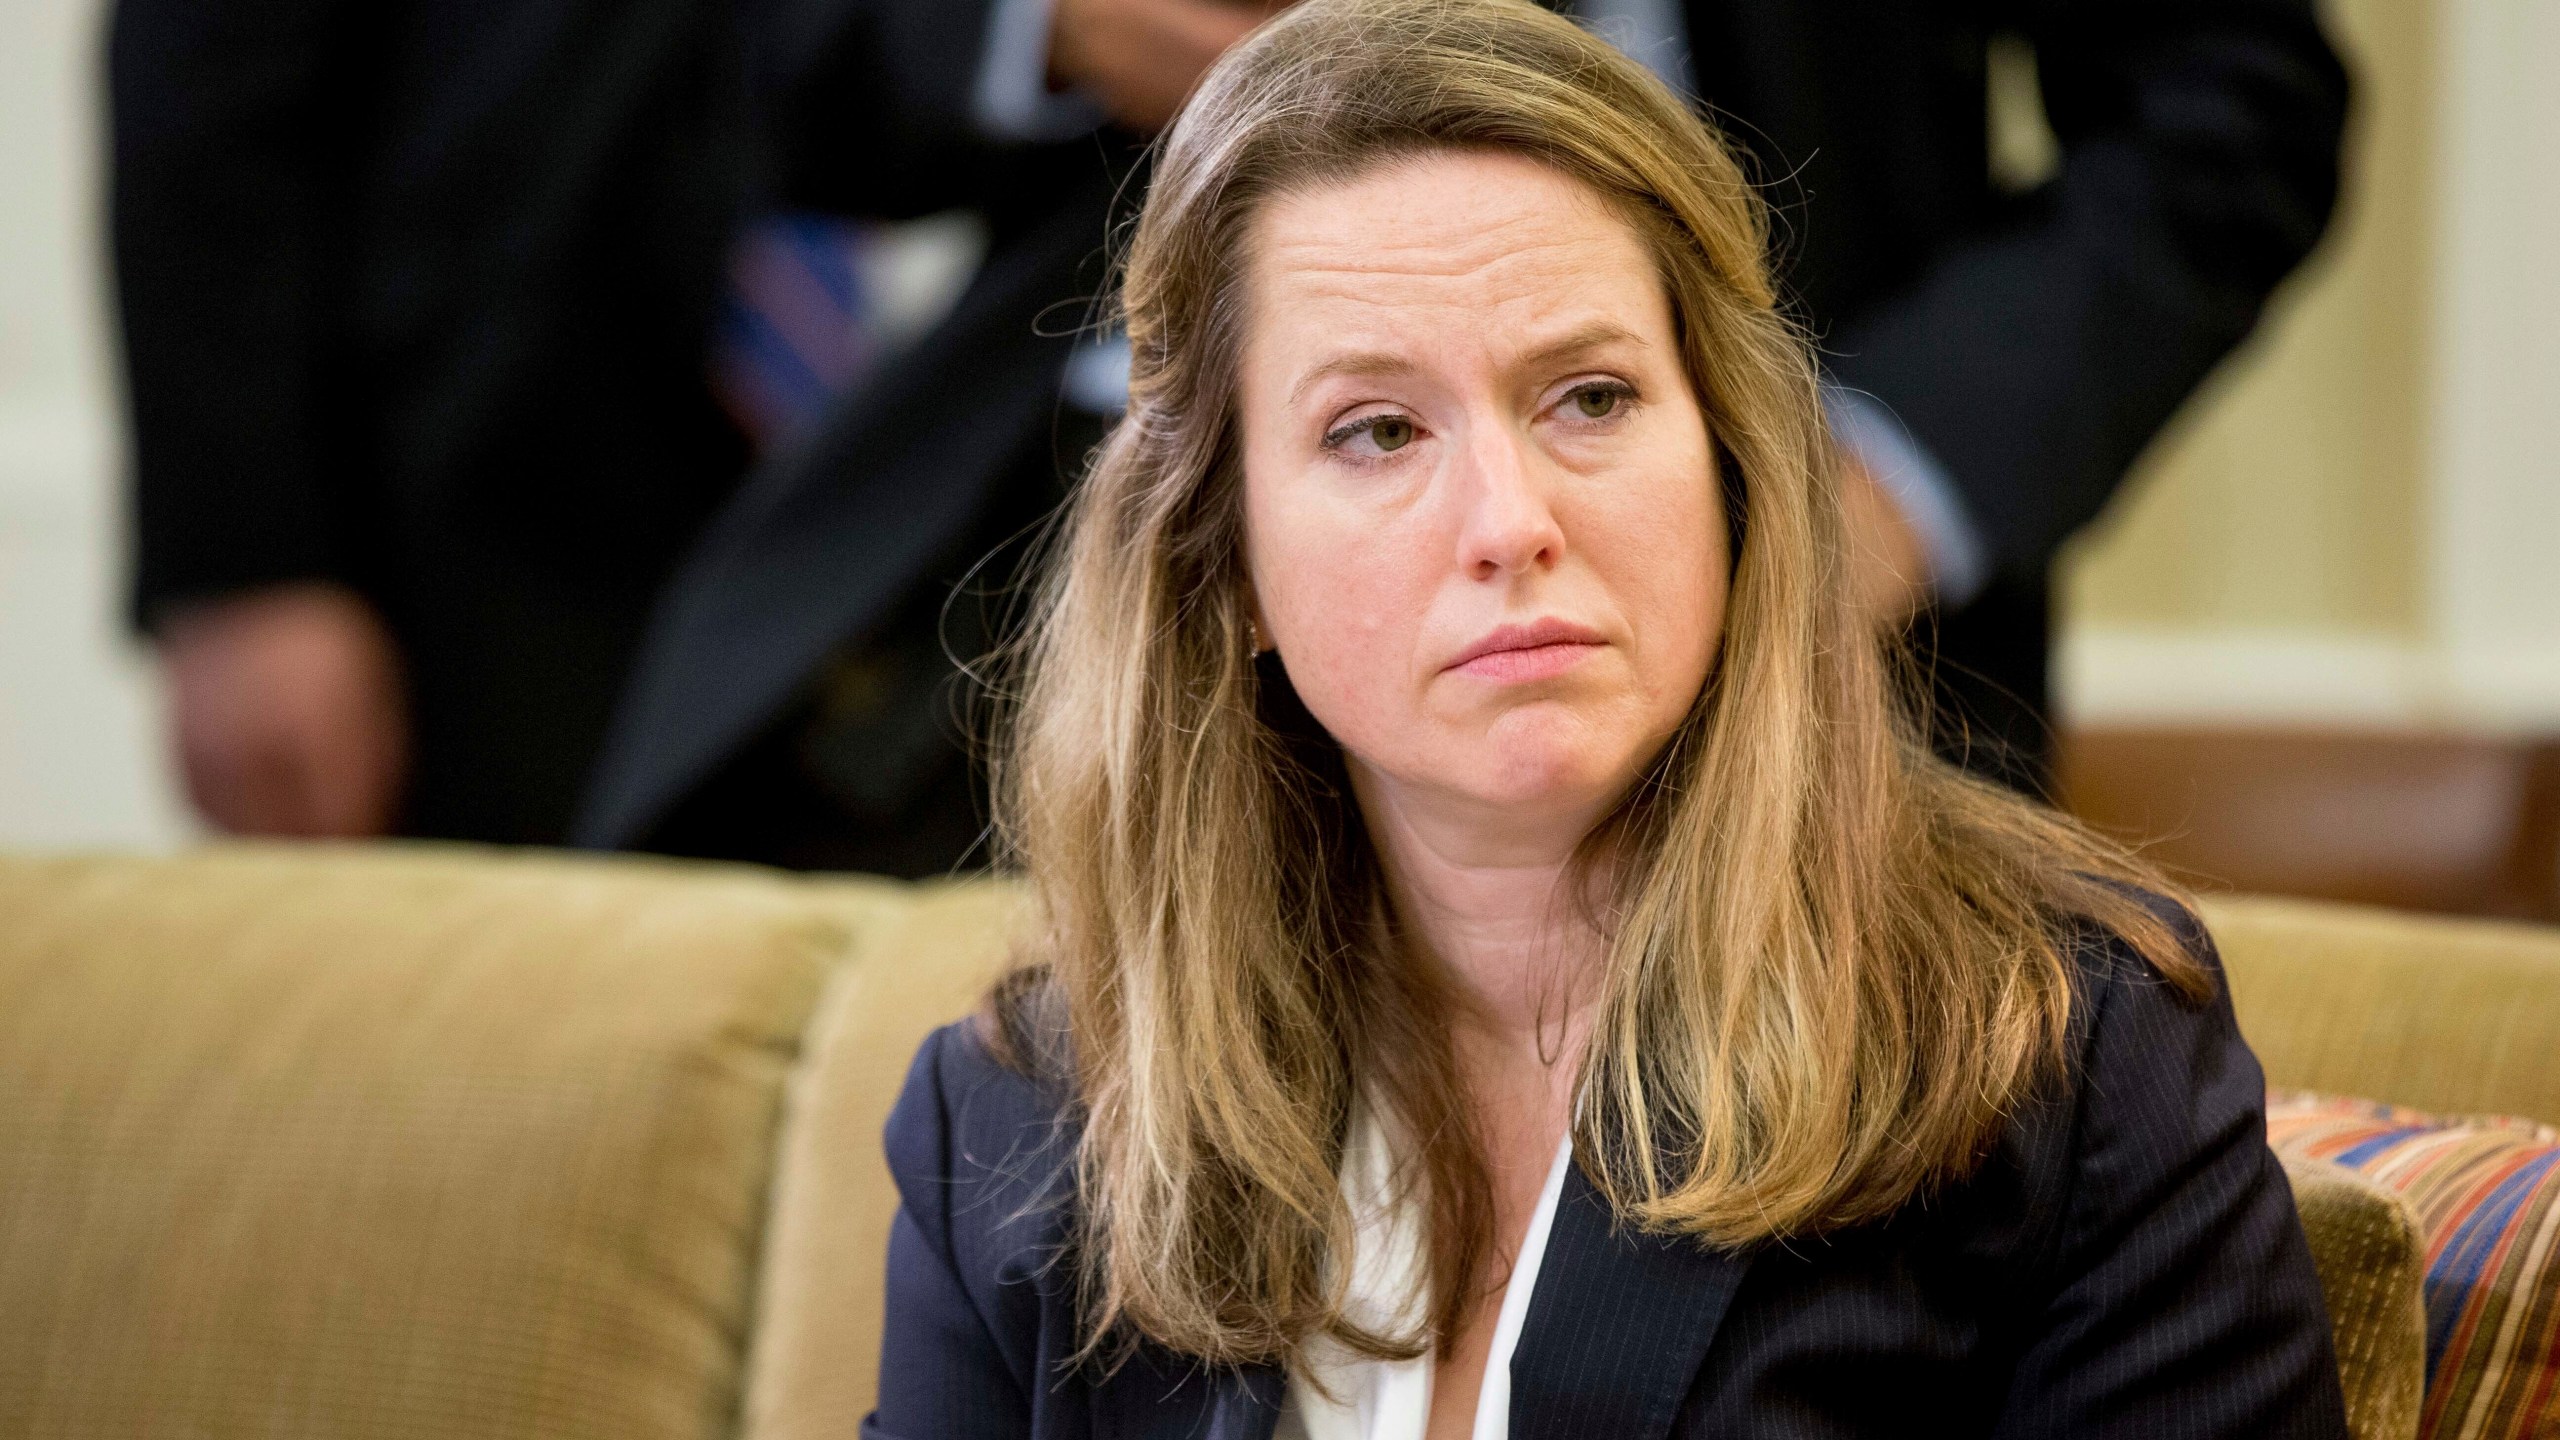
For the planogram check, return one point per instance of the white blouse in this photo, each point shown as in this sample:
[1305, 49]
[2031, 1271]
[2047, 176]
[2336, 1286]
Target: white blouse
[1373, 1399]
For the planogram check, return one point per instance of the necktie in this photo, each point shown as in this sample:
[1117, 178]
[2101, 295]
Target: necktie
[796, 329]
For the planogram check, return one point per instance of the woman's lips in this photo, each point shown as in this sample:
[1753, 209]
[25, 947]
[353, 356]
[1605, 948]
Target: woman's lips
[1534, 651]
[1534, 662]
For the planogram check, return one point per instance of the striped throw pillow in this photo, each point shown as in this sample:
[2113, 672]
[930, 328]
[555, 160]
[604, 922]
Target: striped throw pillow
[2486, 1191]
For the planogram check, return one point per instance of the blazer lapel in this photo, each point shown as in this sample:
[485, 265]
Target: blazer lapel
[1617, 1326]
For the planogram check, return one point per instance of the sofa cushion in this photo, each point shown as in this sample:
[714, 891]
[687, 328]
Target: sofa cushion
[2486, 1195]
[2460, 1017]
[2372, 1264]
[390, 1142]
[816, 1362]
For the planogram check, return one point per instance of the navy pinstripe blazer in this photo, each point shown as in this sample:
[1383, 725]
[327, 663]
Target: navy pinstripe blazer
[2127, 1263]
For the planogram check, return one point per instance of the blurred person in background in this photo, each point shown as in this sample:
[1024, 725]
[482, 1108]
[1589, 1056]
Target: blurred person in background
[2001, 346]
[800, 699]
[416, 303]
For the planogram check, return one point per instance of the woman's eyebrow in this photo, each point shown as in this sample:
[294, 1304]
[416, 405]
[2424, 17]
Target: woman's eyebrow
[1355, 363]
[1581, 340]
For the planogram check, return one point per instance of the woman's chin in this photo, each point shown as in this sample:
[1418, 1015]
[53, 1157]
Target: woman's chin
[1561, 754]
[1540, 767]
[1559, 779]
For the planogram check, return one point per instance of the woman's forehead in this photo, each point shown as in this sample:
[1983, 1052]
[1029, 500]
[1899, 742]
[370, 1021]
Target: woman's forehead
[1460, 238]
[1438, 214]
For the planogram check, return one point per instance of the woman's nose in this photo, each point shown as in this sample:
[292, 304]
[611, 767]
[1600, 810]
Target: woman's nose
[1506, 525]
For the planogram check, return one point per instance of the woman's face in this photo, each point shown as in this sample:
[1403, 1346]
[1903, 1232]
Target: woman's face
[1482, 517]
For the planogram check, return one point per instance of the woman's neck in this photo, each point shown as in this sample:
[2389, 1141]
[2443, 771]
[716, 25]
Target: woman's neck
[1495, 909]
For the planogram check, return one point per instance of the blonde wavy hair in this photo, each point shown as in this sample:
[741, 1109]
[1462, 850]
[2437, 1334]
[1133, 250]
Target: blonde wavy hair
[1835, 965]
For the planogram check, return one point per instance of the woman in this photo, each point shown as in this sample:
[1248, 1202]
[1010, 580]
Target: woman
[1501, 966]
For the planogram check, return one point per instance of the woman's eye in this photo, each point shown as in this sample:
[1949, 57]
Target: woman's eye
[1598, 402]
[1384, 434]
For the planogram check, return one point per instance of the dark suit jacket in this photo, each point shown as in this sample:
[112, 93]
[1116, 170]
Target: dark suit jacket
[2126, 1263]
[416, 298]
[853, 540]
[2034, 343]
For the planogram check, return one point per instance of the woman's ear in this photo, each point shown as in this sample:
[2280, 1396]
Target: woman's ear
[1257, 634]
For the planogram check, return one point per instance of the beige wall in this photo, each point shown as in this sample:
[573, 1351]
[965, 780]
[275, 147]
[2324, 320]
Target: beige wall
[2350, 523]
[2494, 580]
[81, 761]
[2287, 497]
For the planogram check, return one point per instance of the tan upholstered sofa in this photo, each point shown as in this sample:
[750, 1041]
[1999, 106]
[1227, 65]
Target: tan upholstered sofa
[426, 1142]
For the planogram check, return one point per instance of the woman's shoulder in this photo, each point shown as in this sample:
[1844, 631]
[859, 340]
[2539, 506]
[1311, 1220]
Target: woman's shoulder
[2159, 1074]
[2150, 1072]
[2171, 982]
[2163, 1223]
[982, 1146]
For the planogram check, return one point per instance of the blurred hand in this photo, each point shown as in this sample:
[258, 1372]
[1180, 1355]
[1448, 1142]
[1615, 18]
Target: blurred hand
[288, 711]
[1888, 565]
[1140, 58]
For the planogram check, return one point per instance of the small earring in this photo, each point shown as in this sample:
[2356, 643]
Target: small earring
[1253, 646]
